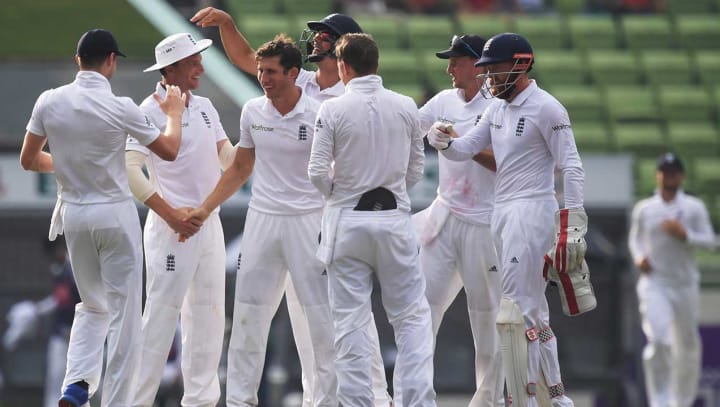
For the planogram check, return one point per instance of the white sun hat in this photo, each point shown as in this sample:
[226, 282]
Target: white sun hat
[176, 47]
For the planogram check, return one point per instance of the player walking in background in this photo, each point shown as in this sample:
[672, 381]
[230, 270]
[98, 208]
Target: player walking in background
[530, 134]
[86, 127]
[319, 42]
[456, 244]
[183, 278]
[281, 227]
[367, 153]
[664, 231]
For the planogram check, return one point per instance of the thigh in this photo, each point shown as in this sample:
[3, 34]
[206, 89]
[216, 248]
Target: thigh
[170, 264]
[300, 243]
[656, 310]
[208, 284]
[439, 267]
[398, 265]
[262, 272]
[478, 266]
[525, 231]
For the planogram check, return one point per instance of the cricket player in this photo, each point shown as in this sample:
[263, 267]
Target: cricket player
[318, 41]
[185, 278]
[664, 231]
[457, 248]
[531, 135]
[281, 229]
[367, 152]
[86, 127]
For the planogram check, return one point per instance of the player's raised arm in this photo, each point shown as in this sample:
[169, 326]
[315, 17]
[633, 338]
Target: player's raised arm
[236, 46]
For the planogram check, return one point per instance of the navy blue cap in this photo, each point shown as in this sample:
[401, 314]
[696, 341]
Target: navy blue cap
[670, 162]
[97, 43]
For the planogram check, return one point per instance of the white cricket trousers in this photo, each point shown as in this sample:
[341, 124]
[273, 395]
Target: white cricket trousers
[104, 242]
[463, 255]
[188, 280]
[524, 232]
[382, 243]
[272, 246]
[303, 341]
[672, 356]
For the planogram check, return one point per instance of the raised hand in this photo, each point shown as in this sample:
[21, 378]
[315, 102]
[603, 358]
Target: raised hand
[211, 17]
[174, 102]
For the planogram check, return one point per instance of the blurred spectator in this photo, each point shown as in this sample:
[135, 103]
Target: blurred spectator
[25, 319]
[354, 7]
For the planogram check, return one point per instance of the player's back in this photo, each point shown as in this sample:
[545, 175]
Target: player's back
[84, 125]
[373, 136]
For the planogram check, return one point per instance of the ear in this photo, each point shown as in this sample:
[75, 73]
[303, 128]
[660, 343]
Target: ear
[294, 72]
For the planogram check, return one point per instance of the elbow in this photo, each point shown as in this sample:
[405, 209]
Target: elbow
[26, 164]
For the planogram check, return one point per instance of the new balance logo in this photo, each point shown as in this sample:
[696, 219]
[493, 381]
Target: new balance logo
[520, 127]
[493, 268]
[206, 118]
[324, 273]
[302, 132]
[319, 123]
[170, 263]
[514, 260]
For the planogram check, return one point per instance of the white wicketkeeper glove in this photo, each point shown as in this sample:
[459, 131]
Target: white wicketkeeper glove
[439, 135]
[569, 249]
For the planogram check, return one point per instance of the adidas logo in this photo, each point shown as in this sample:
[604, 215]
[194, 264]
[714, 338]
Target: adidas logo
[514, 260]
[493, 268]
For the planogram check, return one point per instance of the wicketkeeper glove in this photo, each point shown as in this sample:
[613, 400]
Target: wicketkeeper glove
[569, 249]
[439, 136]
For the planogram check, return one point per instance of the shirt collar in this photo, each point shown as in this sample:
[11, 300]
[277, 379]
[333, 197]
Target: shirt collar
[92, 79]
[161, 91]
[364, 83]
[521, 97]
[299, 108]
[335, 90]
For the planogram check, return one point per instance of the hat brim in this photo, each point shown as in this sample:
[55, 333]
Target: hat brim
[318, 26]
[199, 47]
[451, 53]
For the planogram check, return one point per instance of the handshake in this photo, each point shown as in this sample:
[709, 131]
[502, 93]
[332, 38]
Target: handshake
[440, 135]
[186, 221]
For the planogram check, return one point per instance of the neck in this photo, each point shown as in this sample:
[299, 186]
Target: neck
[668, 195]
[327, 74]
[287, 102]
[470, 92]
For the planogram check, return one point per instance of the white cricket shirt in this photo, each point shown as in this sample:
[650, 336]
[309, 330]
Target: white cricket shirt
[282, 149]
[87, 126]
[307, 81]
[373, 135]
[188, 180]
[530, 136]
[671, 259]
[465, 187]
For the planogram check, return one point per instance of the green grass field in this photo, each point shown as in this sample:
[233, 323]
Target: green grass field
[50, 29]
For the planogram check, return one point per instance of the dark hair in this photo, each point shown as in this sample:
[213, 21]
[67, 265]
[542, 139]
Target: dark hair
[94, 61]
[283, 46]
[359, 51]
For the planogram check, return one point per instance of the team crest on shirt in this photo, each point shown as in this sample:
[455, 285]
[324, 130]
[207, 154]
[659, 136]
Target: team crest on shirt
[170, 263]
[206, 119]
[302, 132]
[520, 127]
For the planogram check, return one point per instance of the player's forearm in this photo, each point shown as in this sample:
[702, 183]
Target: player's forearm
[43, 162]
[237, 48]
[574, 187]
[229, 183]
[173, 131]
[158, 205]
[486, 158]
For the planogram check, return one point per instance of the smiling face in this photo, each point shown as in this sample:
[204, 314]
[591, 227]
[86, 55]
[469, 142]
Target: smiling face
[185, 73]
[274, 79]
[463, 72]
